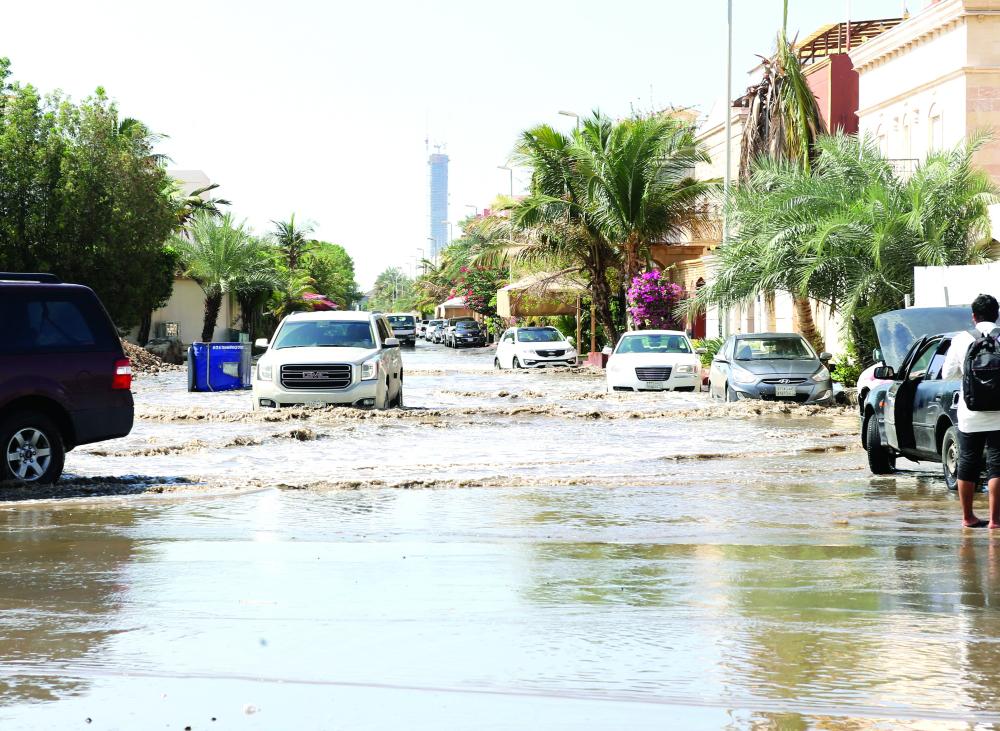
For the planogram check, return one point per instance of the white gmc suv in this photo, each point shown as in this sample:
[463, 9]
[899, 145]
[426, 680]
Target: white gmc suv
[319, 358]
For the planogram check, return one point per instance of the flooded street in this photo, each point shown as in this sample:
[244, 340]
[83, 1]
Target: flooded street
[511, 550]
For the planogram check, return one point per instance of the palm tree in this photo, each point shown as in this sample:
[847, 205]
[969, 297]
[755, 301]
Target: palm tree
[293, 240]
[784, 123]
[223, 257]
[195, 201]
[555, 227]
[850, 232]
[289, 294]
[640, 182]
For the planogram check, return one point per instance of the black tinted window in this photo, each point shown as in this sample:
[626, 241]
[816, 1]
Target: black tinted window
[53, 322]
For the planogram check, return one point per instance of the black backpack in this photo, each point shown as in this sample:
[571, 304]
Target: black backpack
[981, 379]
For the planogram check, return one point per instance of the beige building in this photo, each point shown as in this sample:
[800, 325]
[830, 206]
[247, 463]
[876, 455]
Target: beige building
[186, 307]
[932, 81]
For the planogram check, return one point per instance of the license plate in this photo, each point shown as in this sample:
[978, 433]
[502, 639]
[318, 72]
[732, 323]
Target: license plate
[657, 385]
[784, 391]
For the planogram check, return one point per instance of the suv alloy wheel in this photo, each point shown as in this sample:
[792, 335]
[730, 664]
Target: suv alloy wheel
[33, 448]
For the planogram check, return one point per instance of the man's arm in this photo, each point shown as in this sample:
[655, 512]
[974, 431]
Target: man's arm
[955, 360]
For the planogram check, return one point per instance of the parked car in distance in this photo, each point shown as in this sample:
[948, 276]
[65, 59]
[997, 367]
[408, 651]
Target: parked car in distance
[404, 327]
[436, 330]
[448, 336]
[772, 367]
[867, 380]
[64, 378]
[533, 347]
[654, 360]
[468, 334]
[322, 358]
[914, 414]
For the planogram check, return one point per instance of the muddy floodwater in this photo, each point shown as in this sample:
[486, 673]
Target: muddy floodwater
[511, 550]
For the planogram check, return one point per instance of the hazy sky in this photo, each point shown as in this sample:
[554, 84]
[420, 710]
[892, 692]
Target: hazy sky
[322, 108]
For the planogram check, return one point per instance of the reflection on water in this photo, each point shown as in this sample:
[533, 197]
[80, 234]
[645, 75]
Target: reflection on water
[586, 574]
[59, 588]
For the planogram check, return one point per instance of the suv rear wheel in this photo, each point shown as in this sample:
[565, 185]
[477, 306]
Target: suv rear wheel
[33, 448]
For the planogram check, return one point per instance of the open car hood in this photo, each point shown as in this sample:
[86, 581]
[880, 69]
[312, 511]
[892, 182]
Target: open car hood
[899, 329]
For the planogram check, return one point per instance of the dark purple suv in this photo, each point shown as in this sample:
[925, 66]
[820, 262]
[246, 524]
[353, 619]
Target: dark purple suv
[64, 379]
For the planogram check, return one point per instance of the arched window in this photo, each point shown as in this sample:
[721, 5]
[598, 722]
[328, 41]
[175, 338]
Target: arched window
[935, 129]
[882, 141]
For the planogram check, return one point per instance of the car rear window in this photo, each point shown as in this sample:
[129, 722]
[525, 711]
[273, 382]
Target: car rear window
[54, 321]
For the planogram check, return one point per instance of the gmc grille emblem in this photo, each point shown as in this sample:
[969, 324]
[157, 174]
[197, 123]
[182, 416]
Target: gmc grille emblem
[313, 374]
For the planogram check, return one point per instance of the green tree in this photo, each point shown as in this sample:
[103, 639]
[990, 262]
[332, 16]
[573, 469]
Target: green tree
[223, 257]
[394, 291]
[332, 270]
[83, 194]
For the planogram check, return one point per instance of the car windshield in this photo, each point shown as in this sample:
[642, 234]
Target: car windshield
[654, 344]
[325, 334]
[467, 326]
[401, 321]
[790, 348]
[539, 335]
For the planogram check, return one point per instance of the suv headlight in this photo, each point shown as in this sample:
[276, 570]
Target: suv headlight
[742, 376]
[369, 369]
[821, 375]
[265, 371]
[685, 370]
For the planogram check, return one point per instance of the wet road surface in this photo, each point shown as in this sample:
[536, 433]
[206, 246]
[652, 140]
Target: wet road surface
[512, 550]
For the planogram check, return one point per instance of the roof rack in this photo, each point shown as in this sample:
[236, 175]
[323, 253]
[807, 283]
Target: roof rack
[29, 277]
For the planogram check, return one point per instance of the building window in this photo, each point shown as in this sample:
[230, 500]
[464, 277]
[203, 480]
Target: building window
[906, 136]
[935, 130]
[883, 141]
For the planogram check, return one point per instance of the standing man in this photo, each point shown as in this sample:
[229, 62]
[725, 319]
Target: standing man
[977, 428]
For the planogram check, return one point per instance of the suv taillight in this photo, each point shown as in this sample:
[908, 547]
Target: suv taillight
[122, 380]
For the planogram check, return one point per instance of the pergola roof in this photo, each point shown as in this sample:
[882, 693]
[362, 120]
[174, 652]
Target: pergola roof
[832, 38]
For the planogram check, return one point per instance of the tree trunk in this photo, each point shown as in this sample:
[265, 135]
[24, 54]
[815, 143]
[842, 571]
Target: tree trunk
[601, 294]
[144, 327]
[213, 302]
[807, 326]
[632, 267]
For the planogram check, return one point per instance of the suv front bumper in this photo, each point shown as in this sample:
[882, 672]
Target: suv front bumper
[267, 394]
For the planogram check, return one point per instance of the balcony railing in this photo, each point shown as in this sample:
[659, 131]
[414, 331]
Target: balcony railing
[904, 167]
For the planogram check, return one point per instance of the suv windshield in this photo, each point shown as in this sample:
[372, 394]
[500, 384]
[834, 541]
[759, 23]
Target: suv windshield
[539, 335]
[401, 321]
[654, 344]
[791, 348]
[325, 334]
[467, 326]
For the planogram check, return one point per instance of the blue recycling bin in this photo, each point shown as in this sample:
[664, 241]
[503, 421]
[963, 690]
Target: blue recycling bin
[218, 366]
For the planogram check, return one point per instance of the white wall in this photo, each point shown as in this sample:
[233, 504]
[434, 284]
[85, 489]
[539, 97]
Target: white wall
[957, 285]
[187, 307]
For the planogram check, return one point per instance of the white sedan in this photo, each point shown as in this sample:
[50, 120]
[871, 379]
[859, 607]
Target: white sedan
[533, 347]
[654, 360]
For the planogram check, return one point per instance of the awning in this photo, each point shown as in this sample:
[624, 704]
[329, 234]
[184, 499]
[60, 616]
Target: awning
[540, 295]
[454, 307]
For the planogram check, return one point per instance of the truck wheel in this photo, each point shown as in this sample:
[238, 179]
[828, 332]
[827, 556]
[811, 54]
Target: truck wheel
[949, 458]
[880, 460]
[33, 449]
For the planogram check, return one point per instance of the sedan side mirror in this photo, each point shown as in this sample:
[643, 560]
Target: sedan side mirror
[885, 373]
[606, 350]
[701, 351]
[261, 343]
[824, 356]
[391, 343]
